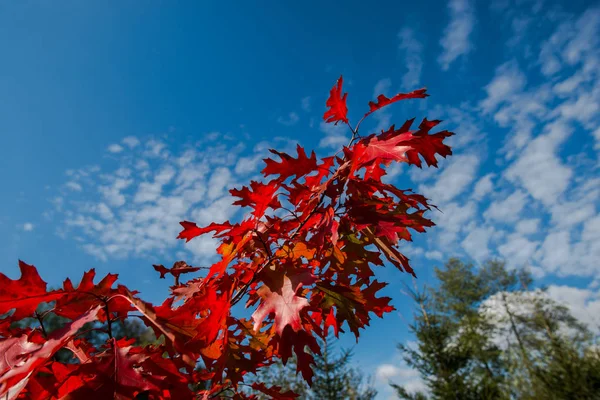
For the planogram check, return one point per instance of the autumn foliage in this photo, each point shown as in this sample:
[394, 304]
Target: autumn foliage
[302, 259]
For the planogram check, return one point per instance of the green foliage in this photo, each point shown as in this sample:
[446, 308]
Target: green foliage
[334, 378]
[482, 334]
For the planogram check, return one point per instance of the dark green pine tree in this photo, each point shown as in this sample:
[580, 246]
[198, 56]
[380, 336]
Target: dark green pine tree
[334, 377]
[454, 355]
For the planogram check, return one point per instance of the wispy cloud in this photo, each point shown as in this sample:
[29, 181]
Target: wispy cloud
[507, 81]
[131, 141]
[335, 135]
[537, 203]
[306, 104]
[291, 119]
[115, 148]
[411, 50]
[135, 206]
[456, 40]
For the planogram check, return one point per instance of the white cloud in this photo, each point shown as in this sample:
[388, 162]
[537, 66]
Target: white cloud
[219, 181]
[568, 213]
[219, 210]
[583, 109]
[115, 148]
[400, 374]
[383, 117]
[597, 137]
[291, 119]
[555, 251]
[27, 226]
[528, 226]
[73, 186]
[382, 87]
[151, 191]
[306, 104]
[412, 51]
[507, 81]
[483, 186]
[584, 304]
[549, 59]
[140, 207]
[508, 209]
[454, 179]
[249, 164]
[335, 137]
[434, 255]
[476, 243]
[456, 40]
[585, 39]
[155, 149]
[112, 191]
[453, 219]
[539, 170]
[131, 141]
[518, 250]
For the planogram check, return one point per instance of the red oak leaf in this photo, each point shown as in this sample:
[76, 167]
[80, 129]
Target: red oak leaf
[25, 293]
[118, 374]
[290, 166]
[191, 230]
[403, 146]
[299, 341]
[274, 392]
[283, 302]
[261, 197]
[22, 357]
[75, 301]
[383, 101]
[331, 321]
[179, 267]
[338, 110]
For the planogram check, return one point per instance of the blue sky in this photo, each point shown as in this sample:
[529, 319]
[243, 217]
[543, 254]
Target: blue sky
[118, 120]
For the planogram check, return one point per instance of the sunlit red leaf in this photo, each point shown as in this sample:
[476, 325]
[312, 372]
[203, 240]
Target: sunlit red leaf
[336, 102]
[178, 268]
[290, 166]
[283, 302]
[383, 101]
[21, 357]
[25, 293]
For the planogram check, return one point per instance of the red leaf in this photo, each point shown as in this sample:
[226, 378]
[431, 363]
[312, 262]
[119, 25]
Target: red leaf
[383, 101]
[191, 230]
[75, 301]
[179, 267]
[274, 392]
[118, 374]
[283, 302]
[337, 104]
[290, 166]
[402, 145]
[21, 357]
[331, 321]
[261, 197]
[25, 293]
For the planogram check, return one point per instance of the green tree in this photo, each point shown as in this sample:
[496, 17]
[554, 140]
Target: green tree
[452, 355]
[334, 377]
[549, 353]
[482, 334]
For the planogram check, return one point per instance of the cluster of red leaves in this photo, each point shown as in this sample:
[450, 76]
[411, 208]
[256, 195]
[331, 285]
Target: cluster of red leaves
[303, 257]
